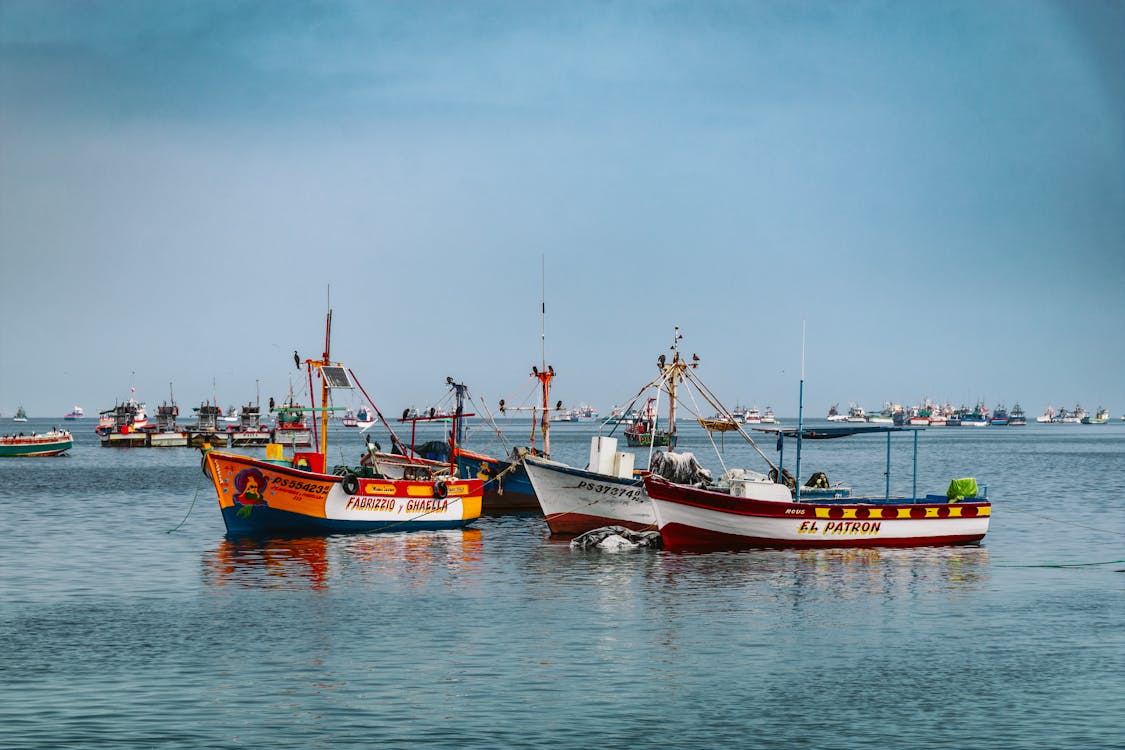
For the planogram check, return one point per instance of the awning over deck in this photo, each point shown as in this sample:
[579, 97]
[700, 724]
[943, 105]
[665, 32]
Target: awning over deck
[836, 431]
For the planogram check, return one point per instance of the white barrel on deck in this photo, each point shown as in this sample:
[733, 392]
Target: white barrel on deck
[602, 451]
[623, 464]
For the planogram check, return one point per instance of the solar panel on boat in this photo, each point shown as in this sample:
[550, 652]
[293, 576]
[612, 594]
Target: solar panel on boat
[335, 376]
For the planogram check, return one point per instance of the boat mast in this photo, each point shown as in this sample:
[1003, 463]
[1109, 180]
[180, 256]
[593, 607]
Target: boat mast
[674, 372]
[324, 387]
[800, 419]
[544, 373]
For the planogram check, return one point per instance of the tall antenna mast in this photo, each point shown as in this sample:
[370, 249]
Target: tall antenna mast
[543, 311]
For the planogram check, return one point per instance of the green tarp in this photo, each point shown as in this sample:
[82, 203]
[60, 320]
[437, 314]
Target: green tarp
[959, 489]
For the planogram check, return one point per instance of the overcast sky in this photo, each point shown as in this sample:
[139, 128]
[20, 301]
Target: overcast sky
[937, 189]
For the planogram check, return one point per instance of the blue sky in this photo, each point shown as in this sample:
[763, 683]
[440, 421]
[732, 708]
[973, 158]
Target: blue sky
[936, 189]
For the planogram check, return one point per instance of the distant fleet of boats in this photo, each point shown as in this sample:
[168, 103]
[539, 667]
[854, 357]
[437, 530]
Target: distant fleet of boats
[930, 414]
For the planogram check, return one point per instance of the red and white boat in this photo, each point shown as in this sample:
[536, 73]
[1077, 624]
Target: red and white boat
[771, 515]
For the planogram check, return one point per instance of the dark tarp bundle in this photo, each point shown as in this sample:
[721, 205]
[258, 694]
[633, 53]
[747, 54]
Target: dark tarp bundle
[617, 538]
[680, 468]
[435, 450]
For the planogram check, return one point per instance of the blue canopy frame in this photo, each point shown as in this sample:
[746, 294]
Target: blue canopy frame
[828, 433]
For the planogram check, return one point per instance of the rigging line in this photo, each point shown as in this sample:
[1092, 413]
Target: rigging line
[652, 440]
[741, 431]
[710, 435]
[483, 406]
[382, 419]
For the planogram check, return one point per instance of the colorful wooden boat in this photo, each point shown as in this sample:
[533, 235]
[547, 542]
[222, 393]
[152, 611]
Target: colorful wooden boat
[644, 431]
[298, 494]
[773, 515]
[51, 443]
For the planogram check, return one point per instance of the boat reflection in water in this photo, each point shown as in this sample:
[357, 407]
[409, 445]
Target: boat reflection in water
[313, 563]
[832, 573]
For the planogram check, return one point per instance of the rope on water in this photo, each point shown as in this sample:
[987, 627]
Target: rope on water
[190, 508]
[1065, 523]
[1062, 565]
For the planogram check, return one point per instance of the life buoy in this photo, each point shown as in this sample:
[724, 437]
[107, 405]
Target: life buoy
[350, 484]
[440, 489]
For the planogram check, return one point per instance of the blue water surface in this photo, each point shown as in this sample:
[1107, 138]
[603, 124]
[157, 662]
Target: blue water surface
[129, 620]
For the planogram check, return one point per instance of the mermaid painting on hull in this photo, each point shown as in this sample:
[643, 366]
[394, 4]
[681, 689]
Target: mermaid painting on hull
[250, 487]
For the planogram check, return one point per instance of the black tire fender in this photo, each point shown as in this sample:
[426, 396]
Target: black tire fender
[350, 484]
[440, 489]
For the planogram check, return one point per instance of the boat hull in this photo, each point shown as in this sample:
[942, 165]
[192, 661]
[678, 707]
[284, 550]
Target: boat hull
[35, 446]
[659, 439]
[263, 497]
[506, 484]
[575, 501]
[689, 517]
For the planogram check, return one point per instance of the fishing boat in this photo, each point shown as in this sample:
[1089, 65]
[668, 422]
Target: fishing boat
[349, 419]
[298, 494]
[124, 426]
[249, 431]
[999, 417]
[364, 417]
[1047, 416]
[1017, 417]
[21, 415]
[167, 434]
[977, 417]
[292, 426]
[1101, 418]
[609, 492]
[834, 414]
[768, 417]
[206, 429]
[920, 417]
[1076, 416]
[856, 413]
[752, 416]
[759, 514]
[53, 443]
[75, 413]
[644, 431]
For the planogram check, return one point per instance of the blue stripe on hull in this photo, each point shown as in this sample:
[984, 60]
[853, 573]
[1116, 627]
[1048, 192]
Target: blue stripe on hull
[511, 491]
[266, 520]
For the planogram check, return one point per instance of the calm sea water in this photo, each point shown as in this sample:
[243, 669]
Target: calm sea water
[118, 631]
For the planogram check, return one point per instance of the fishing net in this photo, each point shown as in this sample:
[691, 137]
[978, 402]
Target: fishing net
[615, 538]
[680, 468]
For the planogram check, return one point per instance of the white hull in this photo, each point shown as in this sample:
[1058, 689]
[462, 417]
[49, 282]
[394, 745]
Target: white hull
[168, 440]
[576, 500]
